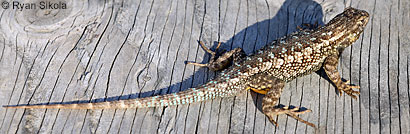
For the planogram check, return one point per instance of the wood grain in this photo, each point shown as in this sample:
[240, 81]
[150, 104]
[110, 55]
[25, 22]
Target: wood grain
[109, 50]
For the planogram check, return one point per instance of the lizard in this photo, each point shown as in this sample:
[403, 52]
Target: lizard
[265, 72]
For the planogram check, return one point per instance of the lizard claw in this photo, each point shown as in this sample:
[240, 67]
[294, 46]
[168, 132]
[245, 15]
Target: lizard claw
[296, 111]
[292, 112]
[348, 89]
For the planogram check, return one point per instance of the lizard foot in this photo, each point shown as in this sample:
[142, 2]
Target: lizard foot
[213, 54]
[348, 89]
[292, 112]
[220, 59]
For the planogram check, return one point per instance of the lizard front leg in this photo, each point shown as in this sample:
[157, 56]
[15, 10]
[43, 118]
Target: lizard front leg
[270, 108]
[330, 67]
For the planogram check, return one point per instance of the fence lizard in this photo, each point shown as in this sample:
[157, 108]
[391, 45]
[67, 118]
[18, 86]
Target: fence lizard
[265, 72]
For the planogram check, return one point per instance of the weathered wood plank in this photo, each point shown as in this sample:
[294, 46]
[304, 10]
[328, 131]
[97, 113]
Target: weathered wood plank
[109, 50]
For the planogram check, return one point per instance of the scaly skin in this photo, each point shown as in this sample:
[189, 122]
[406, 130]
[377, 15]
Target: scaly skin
[265, 72]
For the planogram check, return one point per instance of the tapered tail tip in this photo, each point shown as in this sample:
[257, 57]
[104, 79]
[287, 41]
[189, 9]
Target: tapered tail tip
[13, 106]
[29, 106]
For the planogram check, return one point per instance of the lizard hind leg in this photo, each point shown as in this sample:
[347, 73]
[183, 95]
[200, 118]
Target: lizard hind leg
[271, 109]
[330, 67]
[220, 59]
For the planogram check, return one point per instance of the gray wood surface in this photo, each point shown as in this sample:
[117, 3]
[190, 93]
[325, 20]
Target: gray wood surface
[109, 50]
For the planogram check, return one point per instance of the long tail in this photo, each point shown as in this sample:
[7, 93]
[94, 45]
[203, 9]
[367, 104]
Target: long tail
[184, 97]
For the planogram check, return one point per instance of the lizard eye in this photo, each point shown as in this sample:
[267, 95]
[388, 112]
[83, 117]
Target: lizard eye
[362, 21]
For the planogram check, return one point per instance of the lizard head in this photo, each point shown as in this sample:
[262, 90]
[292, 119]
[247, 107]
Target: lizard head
[359, 21]
[346, 27]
